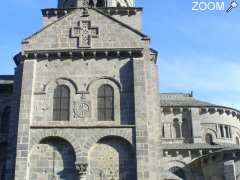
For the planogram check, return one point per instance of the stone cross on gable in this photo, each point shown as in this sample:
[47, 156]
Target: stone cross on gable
[84, 33]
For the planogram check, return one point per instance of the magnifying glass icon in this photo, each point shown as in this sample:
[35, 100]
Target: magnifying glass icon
[233, 5]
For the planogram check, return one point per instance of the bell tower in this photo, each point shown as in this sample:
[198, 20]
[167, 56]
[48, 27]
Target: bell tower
[63, 4]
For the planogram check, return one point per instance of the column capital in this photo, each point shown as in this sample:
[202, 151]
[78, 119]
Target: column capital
[81, 169]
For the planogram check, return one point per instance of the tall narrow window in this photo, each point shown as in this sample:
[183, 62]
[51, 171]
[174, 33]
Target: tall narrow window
[61, 103]
[230, 131]
[221, 131]
[105, 103]
[227, 131]
[4, 126]
[209, 139]
[185, 128]
[163, 131]
[176, 126]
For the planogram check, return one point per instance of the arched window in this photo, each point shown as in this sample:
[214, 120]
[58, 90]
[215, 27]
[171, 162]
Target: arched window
[237, 140]
[105, 103]
[178, 172]
[221, 131]
[177, 129]
[61, 103]
[209, 139]
[227, 131]
[163, 131]
[4, 126]
[101, 3]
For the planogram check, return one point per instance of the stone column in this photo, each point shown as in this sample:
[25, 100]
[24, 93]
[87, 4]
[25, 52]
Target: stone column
[82, 171]
[180, 128]
[25, 114]
[229, 170]
[196, 125]
[147, 113]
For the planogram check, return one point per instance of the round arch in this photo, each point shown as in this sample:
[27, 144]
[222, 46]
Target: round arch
[112, 157]
[106, 79]
[39, 136]
[210, 132]
[171, 165]
[96, 138]
[53, 157]
[51, 85]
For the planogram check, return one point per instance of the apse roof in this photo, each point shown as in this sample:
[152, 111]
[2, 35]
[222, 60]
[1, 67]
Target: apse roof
[182, 100]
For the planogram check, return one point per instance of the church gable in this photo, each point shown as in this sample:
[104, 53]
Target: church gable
[85, 29]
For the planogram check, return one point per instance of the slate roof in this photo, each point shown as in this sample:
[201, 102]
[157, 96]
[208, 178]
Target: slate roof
[181, 100]
[6, 79]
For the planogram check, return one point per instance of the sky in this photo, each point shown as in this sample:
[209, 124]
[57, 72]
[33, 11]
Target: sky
[198, 50]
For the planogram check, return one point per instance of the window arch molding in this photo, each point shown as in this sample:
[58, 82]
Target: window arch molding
[210, 132]
[177, 128]
[73, 90]
[93, 89]
[103, 79]
[51, 85]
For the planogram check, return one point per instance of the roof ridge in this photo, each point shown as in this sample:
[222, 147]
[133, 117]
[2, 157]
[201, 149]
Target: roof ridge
[97, 10]
[122, 23]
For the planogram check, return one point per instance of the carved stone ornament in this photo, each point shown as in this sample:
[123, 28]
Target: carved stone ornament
[81, 109]
[84, 32]
[82, 169]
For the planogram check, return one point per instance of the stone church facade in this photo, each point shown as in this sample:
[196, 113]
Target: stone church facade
[84, 104]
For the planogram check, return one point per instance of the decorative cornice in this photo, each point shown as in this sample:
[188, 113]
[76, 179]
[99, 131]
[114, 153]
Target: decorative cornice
[121, 11]
[203, 109]
[51, 12]
[79, 53]
[221, 110]
[64, 126]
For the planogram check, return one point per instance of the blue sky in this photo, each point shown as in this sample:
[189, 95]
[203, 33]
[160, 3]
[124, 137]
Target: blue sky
[198, 51]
